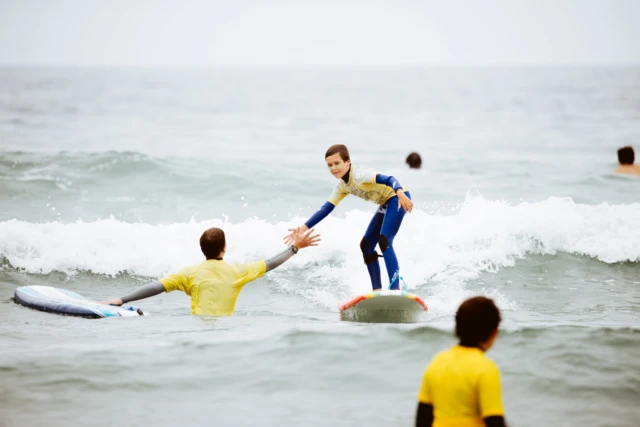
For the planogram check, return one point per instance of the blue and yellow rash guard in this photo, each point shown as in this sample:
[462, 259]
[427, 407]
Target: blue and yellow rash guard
[463, 386]
[362, 182]
[214, 285]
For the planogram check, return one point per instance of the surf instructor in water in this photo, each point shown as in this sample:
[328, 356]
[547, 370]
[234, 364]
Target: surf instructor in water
[214, 285]
[393, 200]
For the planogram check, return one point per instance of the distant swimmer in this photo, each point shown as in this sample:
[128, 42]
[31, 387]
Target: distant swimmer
[626, 157]
[214, 285]
[461, 386]
[414, 160]
[384, 190]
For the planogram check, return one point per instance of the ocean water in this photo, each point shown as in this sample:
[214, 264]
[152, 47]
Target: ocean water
[108, 178]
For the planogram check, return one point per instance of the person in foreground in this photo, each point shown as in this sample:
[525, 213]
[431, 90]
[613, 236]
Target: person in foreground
[626, 157]
[461, 386]
[214, 285]
[381, 189]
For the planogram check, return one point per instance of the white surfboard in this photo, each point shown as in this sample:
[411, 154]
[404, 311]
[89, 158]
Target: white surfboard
[384, 307]
[65, 302]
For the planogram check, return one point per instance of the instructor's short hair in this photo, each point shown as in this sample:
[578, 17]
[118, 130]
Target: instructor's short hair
[212, 242]
[626, 156]
[476, 319]
[338, 149]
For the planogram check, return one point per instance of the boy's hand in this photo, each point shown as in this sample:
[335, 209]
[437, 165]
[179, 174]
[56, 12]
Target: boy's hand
[291, 237]
[404, 201]
[117, 301]
[305, 239]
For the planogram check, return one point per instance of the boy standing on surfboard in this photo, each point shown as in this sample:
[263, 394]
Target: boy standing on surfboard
[381, 189]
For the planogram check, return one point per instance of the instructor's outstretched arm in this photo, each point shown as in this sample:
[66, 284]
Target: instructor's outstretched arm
[322, 213]
[149, 290]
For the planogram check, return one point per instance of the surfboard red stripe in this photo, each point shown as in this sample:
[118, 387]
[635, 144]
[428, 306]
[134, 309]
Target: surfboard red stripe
[352, 302]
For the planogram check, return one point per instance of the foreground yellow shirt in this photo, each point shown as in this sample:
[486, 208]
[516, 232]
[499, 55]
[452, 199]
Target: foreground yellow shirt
[463, 386]
[214, 285]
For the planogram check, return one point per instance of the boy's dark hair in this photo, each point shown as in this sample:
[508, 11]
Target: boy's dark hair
[626, 155]
[414, 160]
[338, 149]
[476, 319]
[212, 242]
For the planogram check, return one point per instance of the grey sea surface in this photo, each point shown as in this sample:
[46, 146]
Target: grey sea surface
[108, 178]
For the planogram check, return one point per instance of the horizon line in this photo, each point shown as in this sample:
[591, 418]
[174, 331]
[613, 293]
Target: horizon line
[318, 66]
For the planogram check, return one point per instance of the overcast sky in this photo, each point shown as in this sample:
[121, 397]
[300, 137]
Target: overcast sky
[323, 32]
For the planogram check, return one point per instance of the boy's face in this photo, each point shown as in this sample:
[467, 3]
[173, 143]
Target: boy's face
[337, 166]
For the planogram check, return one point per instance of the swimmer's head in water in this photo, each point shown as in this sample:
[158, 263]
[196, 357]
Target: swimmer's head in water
[414, 160]
[626, 156]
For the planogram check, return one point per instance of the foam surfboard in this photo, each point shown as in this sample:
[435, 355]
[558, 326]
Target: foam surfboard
[69, 303]
[384, 307]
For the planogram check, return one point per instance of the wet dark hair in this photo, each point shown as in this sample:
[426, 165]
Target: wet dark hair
[626, 156]
[476, 319]
[338, 149]
[212, 242]
[414, 160]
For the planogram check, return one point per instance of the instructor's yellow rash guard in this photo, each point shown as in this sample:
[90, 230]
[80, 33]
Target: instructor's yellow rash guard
[463, 386]
[214, 285]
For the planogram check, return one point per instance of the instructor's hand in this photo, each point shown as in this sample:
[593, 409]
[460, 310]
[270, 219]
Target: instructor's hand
[305, 239]
[291, 237]
[405, 202]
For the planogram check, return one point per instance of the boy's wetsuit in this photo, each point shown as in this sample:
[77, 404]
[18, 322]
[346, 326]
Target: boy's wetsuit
[380, 189]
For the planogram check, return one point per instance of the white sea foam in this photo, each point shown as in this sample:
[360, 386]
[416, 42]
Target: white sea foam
[445, 251]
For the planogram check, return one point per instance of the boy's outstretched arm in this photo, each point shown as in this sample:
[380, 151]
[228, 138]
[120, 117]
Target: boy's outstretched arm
[321, 214]
[149, 290]
[301, 239]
